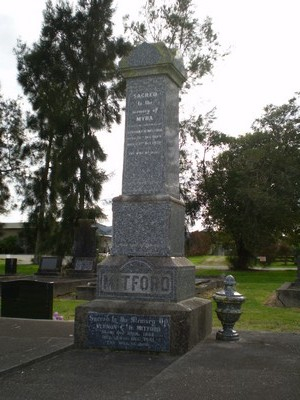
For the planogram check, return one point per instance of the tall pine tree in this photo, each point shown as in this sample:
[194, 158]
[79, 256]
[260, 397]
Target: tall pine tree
[71, 80]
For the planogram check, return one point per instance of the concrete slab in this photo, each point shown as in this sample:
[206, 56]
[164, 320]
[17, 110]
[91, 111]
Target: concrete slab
[23, 341]
[262, 365]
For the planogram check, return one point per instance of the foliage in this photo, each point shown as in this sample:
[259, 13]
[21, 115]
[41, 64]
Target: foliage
[12, 148]
[10, 245]
[251, 191]
[199, 243]
[71, 80]
[193, 157]
[173, 23]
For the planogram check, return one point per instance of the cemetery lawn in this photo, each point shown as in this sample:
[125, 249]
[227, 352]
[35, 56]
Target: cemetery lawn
[66, 307]
[22, 269]
[259, 309]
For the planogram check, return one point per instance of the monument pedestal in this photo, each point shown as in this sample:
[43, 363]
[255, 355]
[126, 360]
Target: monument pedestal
[148, 225]
[144, 303]
[146, 278]
[143, 326]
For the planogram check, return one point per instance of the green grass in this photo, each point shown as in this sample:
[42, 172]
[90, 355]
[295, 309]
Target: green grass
[258, 287]
[22, 269]
[196, 260]
[66, 307]
[208, 260]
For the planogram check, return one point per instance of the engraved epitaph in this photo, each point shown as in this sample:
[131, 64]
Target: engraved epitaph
[145, 288]
[148, 219]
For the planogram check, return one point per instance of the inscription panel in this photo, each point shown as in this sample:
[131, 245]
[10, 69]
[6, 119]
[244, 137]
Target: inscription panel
[49, 264]
[136, 284]
[136, 279]
[144, 138]
[84, 263]
[128, 331]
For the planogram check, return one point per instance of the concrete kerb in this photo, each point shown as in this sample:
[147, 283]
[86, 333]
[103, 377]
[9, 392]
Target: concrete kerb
[25, 341]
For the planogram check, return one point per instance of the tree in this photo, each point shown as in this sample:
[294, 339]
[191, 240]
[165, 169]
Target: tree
[71, 79]
[199, 243]
[12, 148]
[252, 190]
[192, 159]
[173, 23]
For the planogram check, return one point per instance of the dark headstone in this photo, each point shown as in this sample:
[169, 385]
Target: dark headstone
[27, 299]
[49, 265]
[85, 239]
[10, 266]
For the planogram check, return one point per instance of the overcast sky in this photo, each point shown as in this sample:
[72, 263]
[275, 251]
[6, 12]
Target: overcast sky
[263, 66]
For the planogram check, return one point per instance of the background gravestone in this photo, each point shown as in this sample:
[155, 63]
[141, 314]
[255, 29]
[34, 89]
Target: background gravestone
[145, 289]
[49, 265]
[10, 266]
[27, 299]
[84, 249]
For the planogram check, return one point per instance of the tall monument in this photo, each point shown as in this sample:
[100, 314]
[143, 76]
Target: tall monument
[145, 288]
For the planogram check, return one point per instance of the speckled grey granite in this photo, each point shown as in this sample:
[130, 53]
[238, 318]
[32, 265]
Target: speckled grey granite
[145, 289]
[148, 226]
[146, 278]
[182, 325]
[151, 137]
[153, 59]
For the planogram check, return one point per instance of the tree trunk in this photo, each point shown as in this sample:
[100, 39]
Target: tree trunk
[244, 257]
[43, 200]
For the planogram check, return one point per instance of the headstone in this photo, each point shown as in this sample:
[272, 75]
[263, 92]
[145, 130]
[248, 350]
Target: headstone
[85, 264]
[289, 293]
[49, 265]
[146, 287]
[10, 266]
[84, 252]
[27, 299]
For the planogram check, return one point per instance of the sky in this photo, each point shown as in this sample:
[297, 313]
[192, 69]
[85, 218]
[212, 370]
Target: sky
[263, 65]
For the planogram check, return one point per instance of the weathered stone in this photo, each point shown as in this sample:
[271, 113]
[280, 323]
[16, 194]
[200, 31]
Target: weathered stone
[289, 294]
[145, 289]
[151, 139]
[148, 226]
[146, 278]
[188, 322]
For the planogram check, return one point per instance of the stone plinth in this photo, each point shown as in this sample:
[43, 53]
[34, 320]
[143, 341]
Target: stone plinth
[289, 294]
[148, 226]
[146, 278]
[146, 326]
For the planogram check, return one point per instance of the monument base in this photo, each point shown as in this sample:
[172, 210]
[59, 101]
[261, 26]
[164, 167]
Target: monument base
[143, 326]
[146, 279]
[289, 294]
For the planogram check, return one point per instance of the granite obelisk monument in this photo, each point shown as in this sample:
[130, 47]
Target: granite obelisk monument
[145, 288]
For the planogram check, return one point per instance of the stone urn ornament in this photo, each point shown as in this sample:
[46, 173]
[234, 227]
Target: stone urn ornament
[228, 310]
